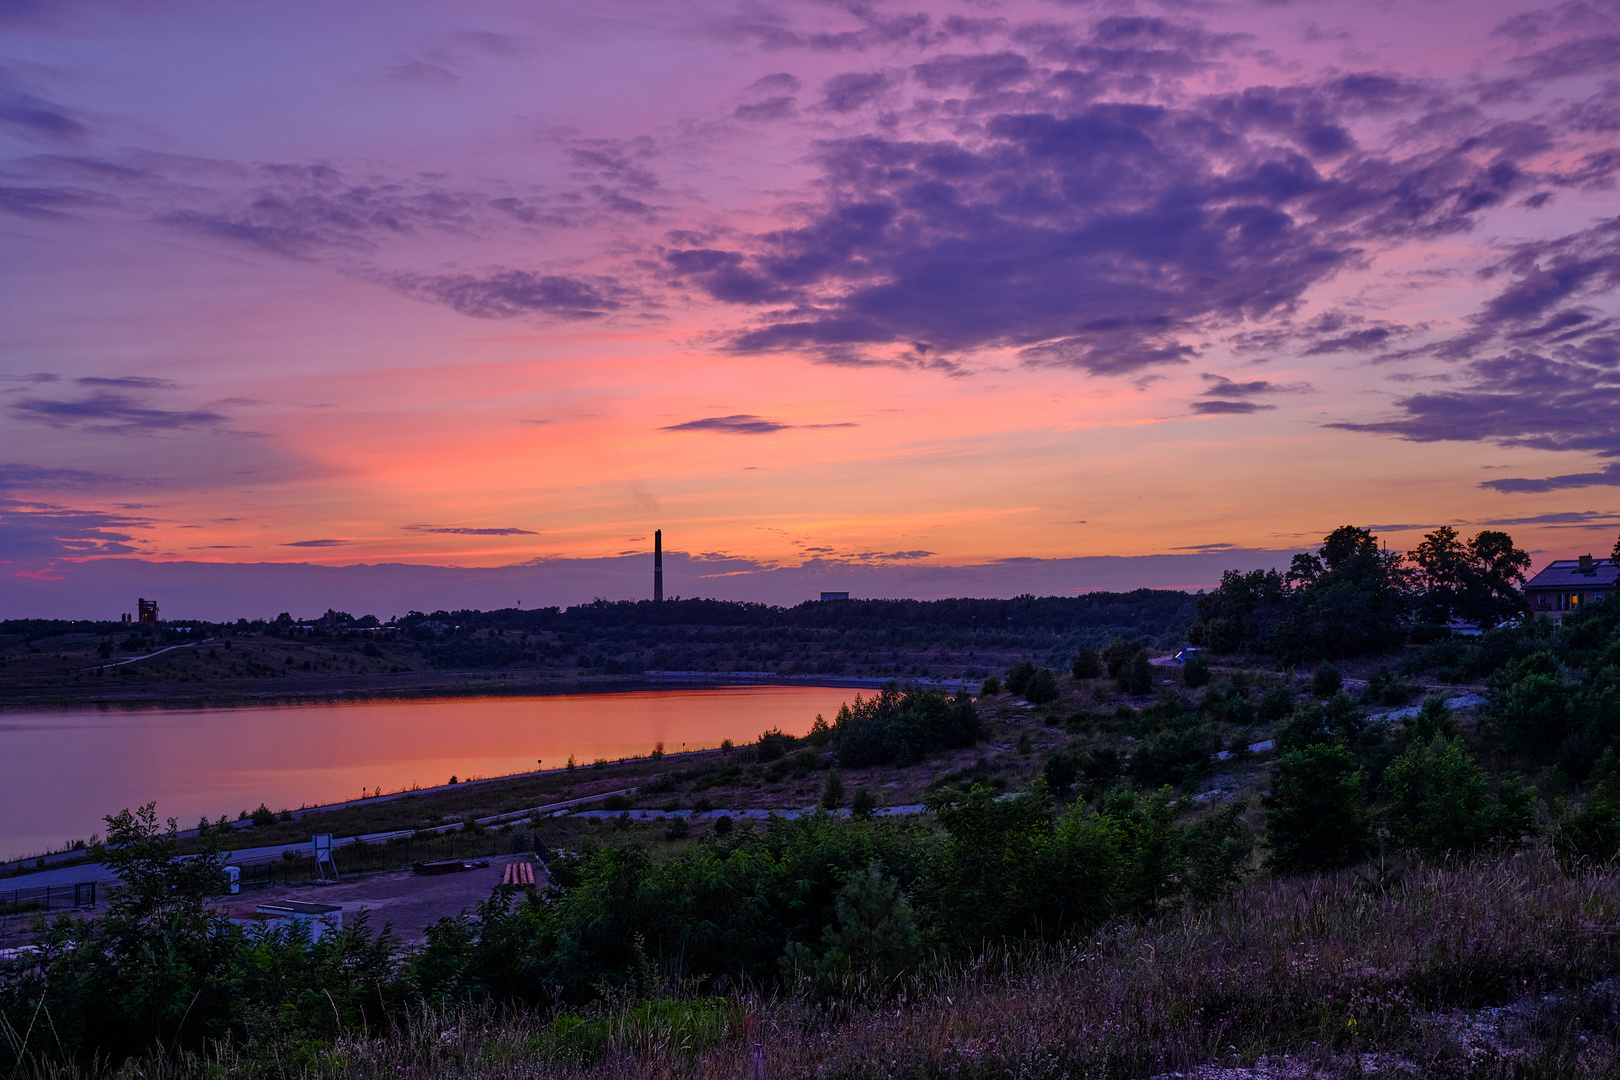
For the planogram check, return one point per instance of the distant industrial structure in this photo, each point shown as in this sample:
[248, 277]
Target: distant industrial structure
[147, 612]
[835, 596]
[658, 566]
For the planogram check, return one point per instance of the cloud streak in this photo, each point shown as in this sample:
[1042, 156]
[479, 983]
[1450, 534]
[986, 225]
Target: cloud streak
[455, 531]
[745, 424]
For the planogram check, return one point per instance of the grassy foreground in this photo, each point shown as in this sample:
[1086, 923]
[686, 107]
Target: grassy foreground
[1502, 968]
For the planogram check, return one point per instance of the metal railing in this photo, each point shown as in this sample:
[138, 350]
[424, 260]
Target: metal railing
[48, 898]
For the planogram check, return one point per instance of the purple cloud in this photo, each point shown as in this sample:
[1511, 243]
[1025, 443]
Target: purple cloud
[469, 532]
[113, 413]
[736, 424]
[1228, 408]
[503, 294]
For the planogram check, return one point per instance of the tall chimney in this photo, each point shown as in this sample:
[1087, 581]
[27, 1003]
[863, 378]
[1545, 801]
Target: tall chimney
[658, 565]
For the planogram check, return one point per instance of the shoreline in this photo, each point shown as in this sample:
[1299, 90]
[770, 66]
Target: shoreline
[455, 685]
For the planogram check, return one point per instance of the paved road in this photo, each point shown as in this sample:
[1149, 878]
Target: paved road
[101, 872]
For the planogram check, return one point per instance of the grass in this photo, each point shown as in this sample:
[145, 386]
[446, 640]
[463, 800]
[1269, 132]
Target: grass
[1497, 969]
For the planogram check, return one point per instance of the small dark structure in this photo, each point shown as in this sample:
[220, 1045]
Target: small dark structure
[658, 565]
[148, 611]
[834, 596]
[1566, 584]
[447, 866]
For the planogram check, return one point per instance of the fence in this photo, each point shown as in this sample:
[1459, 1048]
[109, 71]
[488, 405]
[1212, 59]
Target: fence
[48, 898]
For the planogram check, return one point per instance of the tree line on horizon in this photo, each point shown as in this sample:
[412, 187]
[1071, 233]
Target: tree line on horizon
[1351, 596]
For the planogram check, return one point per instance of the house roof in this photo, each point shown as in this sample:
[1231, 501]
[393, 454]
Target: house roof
[1566, 574]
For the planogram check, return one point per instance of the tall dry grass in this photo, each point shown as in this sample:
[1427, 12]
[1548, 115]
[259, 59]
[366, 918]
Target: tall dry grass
[1497, 969]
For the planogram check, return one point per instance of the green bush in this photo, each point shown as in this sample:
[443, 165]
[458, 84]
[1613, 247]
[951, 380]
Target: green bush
[1061, 771]
[1042, 687]
[1018, 677]
[772, 745]
[1387, 688]
[1178, 756]
[1591, 833]
[899, 725]
[874, 928]
[1439, 803]
[1326, 680]
[1136, 674]
[832, 792]
[1195, 671]
[1316, 814]
[1087, 664]
[990, 687]
[1276, 703]
[1117, 653]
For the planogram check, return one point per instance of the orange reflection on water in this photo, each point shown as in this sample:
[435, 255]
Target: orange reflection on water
[65, 770]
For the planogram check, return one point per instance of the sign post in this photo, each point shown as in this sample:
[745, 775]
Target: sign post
[323, 857]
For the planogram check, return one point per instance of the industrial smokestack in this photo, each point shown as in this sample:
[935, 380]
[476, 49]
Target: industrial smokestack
[658, 565]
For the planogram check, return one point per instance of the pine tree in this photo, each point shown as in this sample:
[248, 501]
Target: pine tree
[876, 929]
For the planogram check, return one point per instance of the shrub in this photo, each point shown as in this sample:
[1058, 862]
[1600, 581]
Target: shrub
[616, 802]
[832, 793]
[1326, 680]
[1061, 771]
[1116, 654]
[677, 828]
[821, 732]
[1087, 664]
[863, 804]
[723, 825]
[875, 929]
[1228, 703]
[1316, 815]
[772, 745]
[1592, 832]
[1276, 703]
[990, 687]
[1171, 757]
[1438, 802]
[263, 816]
[1042, 687]
[1195, 672]
[1018, 677]
[1432, 721]
[1136, 675]
[1387, 688]
[1102, 765]
[896, 725]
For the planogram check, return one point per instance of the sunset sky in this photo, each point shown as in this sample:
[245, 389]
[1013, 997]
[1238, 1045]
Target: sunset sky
[926, 293]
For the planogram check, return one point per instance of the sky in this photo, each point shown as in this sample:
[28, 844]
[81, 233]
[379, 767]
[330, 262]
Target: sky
[936, 299]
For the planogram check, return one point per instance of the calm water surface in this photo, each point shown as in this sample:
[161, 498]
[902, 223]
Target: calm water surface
[62, 771]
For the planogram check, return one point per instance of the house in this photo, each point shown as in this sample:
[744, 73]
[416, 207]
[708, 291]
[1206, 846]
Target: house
[1565, 584]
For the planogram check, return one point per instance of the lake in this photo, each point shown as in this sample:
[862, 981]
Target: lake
[62, 771]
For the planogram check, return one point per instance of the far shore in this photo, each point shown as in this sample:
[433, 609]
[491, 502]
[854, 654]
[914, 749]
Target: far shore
[424, 685]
